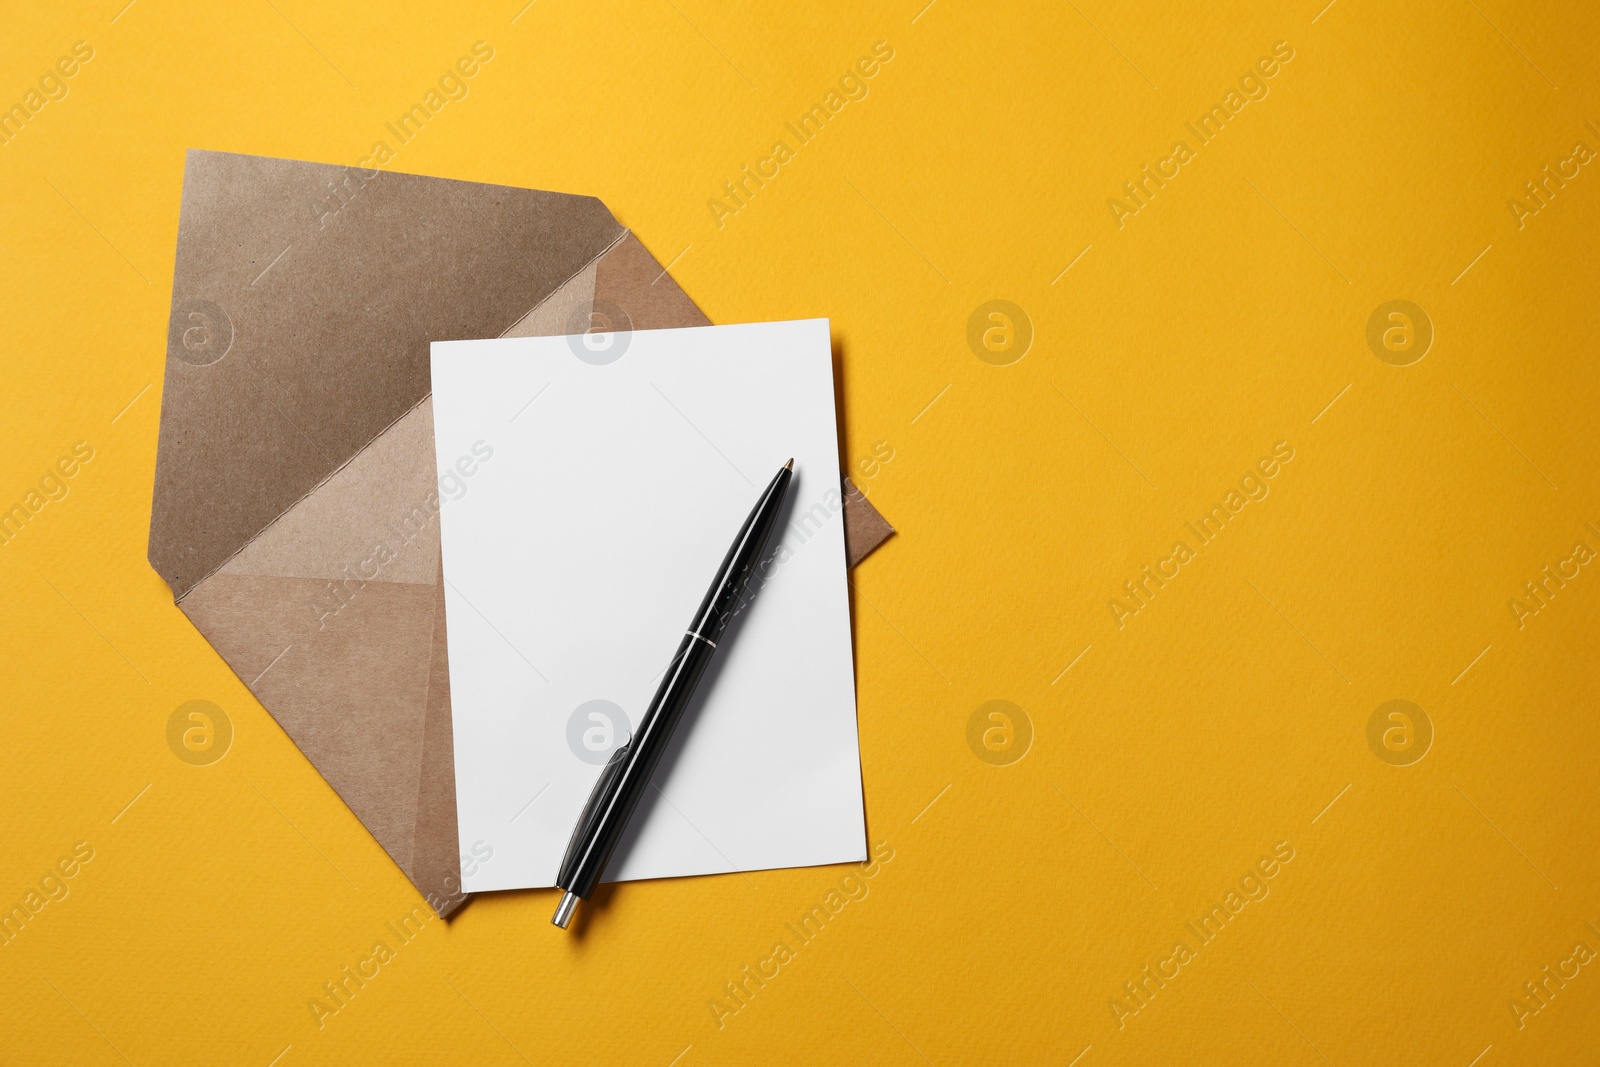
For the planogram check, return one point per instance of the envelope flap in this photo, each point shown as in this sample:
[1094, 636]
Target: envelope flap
[304, 297]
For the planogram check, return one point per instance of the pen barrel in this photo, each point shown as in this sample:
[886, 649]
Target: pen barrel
[626, 778]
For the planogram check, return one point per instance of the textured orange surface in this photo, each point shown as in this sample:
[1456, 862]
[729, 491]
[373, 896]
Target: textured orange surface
[1306, 290]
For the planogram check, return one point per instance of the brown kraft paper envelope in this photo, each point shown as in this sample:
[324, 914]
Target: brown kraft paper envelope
[296, 495]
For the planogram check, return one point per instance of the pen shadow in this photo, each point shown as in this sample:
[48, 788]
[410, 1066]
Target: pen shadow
[708, 685]
[592, 914]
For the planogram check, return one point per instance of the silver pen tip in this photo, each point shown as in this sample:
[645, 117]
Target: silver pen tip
[564, 910]
[789, 466]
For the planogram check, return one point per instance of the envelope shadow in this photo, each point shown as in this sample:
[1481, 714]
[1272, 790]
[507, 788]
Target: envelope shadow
[727, 645]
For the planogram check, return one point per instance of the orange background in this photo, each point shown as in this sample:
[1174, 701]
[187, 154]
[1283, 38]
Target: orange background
[1160, 760]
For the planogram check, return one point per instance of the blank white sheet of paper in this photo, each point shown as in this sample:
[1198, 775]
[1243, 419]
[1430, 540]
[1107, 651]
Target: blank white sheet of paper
[588, 498]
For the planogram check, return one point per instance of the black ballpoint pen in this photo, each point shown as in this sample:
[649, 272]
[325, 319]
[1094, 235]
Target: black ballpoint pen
[627, 774]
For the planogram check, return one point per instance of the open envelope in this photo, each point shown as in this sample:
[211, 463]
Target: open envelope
[296, 503]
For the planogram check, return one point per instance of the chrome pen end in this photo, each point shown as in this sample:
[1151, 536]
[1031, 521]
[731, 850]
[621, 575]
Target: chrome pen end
[789, 466]
[564, 910]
